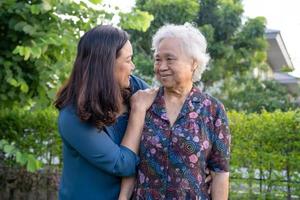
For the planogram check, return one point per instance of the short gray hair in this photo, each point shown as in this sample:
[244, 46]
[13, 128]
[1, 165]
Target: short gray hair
[193, 42]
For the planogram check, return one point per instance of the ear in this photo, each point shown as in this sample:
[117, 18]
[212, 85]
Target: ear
[194, 65]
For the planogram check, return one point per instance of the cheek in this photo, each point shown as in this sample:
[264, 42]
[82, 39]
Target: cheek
[187, 75]
[155, 69]
[123, 69]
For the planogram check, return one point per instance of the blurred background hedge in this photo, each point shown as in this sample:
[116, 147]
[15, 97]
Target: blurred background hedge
[265, 155]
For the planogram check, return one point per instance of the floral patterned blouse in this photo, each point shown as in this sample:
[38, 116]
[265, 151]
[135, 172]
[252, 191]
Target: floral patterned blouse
[173, 158]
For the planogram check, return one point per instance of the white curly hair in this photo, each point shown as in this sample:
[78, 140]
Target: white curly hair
[193, 42]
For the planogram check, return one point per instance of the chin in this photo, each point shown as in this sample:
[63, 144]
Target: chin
[165, 83]
[126, 84]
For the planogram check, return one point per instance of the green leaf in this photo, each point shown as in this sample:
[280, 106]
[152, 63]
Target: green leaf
[35, 9]
[24, 87]
[19, 26]
[95, 1]
[38, 164]
[29, 29]
[138, 20]
[27, 52]
[19, 50]
[9, 149]
[2, 143]
[21, 158]
[13, 82]
[46, 5]
[36, 52]
[31, 164]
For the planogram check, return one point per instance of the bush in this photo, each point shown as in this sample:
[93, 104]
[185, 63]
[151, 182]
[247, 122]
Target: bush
[32, 132]
[265, 156]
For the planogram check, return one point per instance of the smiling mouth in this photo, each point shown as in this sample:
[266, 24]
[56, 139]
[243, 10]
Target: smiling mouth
[165, 75]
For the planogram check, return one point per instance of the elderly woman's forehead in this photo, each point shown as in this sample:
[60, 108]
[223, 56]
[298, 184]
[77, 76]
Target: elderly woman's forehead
[164, 53]
[170, 46]
[171, 39]
[170, 42]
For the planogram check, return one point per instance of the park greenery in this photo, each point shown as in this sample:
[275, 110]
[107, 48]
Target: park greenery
[265, 149]
[37, 49]
[38, 45]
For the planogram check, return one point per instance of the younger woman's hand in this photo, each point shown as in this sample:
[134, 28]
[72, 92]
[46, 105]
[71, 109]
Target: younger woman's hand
[143, 99]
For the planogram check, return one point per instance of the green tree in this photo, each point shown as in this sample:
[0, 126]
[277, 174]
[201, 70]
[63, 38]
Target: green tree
[38, 45]
[164, 12]
[235, 47]
[250, 95]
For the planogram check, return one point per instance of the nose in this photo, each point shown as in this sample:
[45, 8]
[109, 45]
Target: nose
[163, 66]
[132, 66]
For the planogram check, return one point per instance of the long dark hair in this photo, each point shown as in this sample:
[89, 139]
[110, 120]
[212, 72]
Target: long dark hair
[92, 88]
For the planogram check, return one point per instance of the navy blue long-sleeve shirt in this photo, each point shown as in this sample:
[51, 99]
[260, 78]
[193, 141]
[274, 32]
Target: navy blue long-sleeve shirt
[93, 161]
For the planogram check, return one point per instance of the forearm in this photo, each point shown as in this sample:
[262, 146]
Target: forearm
[135, 125]
[127, 187]
[220, 186]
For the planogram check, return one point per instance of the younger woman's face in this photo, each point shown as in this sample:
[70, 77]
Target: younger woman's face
[124, 65]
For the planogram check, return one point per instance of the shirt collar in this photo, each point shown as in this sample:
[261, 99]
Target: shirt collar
[191, 103]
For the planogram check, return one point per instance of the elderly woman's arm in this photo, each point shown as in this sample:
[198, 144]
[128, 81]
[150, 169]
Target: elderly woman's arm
[220, 185]
[220, 155]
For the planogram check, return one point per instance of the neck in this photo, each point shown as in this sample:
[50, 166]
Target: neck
[178, 92]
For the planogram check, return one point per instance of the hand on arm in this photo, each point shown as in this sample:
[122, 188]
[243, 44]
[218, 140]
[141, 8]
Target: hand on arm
[140, 103]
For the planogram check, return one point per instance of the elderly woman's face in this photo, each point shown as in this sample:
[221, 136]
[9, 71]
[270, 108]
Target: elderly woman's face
[172, 66]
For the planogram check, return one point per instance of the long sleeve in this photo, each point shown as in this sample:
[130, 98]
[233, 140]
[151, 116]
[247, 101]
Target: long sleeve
[96, 147]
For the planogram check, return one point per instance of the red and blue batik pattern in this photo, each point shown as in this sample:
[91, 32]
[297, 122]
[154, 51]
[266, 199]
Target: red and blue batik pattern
[173, 158]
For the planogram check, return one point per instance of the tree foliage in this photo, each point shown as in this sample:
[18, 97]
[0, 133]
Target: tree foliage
[164, 12]
[38, 45]
[249, 94]
[234, 47]
[237, 45]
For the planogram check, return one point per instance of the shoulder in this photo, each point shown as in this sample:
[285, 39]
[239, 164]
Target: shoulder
[137, 84]
[216, 109]
[214, 101]
[67, 117]
[210, 104]
[206, 99]
[67, 112]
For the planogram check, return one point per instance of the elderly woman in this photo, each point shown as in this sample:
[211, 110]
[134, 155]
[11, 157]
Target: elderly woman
[185, 130]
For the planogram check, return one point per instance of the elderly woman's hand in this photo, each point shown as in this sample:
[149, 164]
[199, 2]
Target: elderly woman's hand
[143, 99]
[208, 180]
